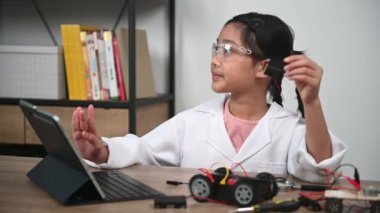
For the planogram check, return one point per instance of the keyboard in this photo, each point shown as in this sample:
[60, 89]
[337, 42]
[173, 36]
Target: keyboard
[118, 186]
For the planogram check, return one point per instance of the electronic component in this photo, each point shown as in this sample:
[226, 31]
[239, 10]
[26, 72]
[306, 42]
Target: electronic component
[334, 200]
[310, 204]
[170, 202]
[370, 191]
[275, 68]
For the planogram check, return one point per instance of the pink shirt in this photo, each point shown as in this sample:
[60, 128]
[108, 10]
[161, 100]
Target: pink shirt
[238, 129]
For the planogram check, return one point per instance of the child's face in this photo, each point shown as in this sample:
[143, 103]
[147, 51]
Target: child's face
[233, 69]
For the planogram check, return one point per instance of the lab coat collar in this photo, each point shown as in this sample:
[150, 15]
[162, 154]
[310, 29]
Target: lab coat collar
[256, 141]
[216, 106]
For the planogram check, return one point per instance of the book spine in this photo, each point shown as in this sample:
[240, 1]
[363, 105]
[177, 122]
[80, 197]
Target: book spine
[83, 35]
[119, 70]
[74, 65]
[95, 84]
[102, 66]
[110, 65]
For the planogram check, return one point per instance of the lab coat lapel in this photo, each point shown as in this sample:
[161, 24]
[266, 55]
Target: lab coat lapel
[260, 137]
[219, 139]
[256, 141]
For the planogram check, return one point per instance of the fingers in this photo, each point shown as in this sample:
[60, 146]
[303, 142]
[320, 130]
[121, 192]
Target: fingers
[92, 138]
[75, 120]
[301, 68]
[91, 119]
[77, 135]
[298, 61]
[93, 148]
[82, 120]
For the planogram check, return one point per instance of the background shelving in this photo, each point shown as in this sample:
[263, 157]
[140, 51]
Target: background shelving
[133, 104]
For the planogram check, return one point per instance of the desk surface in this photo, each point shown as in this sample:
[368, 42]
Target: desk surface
[19, 194]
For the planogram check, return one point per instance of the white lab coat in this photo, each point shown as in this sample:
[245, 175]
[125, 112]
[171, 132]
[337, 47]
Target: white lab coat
[197, 138]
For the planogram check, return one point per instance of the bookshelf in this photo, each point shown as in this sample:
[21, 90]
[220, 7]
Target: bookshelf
[133, 104]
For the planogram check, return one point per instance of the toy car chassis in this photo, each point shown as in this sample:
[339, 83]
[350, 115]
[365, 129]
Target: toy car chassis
[225, 187]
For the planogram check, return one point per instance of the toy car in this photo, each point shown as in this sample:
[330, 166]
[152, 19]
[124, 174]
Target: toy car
[223, 186]
[334, 200]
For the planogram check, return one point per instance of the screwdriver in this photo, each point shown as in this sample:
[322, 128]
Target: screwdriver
[286, 206]
[288, 185]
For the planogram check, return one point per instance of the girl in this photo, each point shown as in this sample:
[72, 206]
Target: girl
[249, 59]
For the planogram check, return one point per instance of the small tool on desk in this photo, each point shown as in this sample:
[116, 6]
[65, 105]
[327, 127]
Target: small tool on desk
[288, 185]
[286, 206]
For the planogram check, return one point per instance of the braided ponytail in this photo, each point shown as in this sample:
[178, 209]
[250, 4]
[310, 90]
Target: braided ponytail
[269, 38]
[299, 99]
[275, 90]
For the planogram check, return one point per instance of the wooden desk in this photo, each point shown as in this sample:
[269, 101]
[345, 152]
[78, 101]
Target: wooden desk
[19, 194]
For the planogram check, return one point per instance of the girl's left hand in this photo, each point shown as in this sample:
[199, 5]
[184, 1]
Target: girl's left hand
[306, 74]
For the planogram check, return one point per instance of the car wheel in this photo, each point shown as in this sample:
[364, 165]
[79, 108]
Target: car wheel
[375, 207]
[273, 188]
[333, 205]
[243, 194]
[200, 188]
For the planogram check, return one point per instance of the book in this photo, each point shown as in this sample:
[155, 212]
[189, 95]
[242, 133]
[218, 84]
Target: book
[93, 64]
[110, 65]
[145, 86]
[101, 59]
[119, 70]
[73, 57]
[83, 35]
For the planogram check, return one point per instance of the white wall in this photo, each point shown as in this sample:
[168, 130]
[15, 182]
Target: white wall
[341, 35]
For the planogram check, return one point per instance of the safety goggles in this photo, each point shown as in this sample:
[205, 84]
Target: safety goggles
[224, 50]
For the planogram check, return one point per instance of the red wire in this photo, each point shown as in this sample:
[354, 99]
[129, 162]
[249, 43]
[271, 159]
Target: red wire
[242, 168]
[208, 173]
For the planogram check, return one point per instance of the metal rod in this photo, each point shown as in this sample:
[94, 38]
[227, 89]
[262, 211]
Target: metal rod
[121, 12]
[42, 17]
[132, 65]
[172, 56]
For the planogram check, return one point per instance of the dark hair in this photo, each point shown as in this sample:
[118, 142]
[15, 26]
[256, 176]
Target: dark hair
[269, 38]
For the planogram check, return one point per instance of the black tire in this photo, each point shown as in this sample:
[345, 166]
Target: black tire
[375, 207]
[273, 184]
[334, 205]
[243, 194]
[200, 188]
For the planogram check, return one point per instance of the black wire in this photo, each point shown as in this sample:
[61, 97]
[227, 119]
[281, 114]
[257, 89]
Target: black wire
[175, 183]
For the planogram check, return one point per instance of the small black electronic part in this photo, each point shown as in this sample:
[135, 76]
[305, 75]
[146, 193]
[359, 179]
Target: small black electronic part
[170, 202]
[312, 205]
[275, 68]
[175, 183]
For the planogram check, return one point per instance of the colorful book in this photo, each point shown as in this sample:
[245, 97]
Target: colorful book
[93, 64]
[103, 73]
[74, 64]
[110, 65]
[119, 70]
[83, 35]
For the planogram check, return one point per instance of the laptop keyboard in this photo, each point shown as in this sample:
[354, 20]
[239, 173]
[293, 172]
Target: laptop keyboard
[119, 186]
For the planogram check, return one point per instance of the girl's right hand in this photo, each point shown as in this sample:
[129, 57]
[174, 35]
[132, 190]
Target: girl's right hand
[86, 137]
